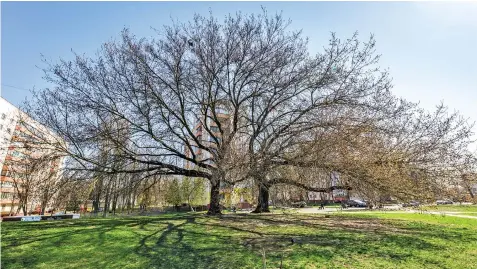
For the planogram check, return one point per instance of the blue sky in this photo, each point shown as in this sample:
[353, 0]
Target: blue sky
[429, 48]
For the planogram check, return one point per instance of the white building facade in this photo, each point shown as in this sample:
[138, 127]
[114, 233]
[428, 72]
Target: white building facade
[17, 130]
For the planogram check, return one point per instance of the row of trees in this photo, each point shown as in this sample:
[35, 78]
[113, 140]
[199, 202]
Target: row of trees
[128, 114]
[34, 182]
[120, 196]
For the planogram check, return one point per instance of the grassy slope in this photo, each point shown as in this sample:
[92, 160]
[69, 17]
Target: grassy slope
[194, 241]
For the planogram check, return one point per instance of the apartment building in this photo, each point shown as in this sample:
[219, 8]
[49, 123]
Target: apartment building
[17, 130]
[8, 120]
[206, 137]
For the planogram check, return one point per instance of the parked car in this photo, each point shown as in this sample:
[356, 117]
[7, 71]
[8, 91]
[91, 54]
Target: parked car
[244, 206]
[356, 203]
[444, 202]
[299, 204]
[411, 204]
[35, 212]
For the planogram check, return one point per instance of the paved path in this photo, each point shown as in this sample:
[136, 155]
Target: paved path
[393, 209]
[446, 213]
[328, 210]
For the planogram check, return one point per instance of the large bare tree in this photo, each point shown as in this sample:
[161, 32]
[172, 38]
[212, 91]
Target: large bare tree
[248, 84]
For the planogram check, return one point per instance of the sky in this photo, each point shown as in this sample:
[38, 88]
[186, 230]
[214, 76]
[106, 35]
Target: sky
[430, 48]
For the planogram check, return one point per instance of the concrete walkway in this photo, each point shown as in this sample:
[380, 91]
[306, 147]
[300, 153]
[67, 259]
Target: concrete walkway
[393, 209]
[307, 210]
[446, 213]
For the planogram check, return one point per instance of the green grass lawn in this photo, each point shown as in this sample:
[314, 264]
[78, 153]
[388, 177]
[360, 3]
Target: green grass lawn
[370, 240]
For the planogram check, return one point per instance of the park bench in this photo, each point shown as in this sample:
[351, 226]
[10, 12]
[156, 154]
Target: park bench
[41, 217]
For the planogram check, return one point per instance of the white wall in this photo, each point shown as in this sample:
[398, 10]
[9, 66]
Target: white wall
[8, 119]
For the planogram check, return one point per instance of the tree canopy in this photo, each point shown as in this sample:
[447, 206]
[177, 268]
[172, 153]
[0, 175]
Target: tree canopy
[244, 100]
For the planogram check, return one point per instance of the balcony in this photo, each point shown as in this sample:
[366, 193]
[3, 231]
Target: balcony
[6, 201]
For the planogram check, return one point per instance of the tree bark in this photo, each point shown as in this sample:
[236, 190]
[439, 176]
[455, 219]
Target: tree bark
[469, 189]
[24, 209]
[114, 204]
[106, 204]
[263, 199]
[214, 206]
[98, 189]
[107, 199]
[134, 196]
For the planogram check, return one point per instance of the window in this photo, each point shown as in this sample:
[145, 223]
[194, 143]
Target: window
[221, 110]
[214, 129]
[17, 154]
[3, 116]
[9, 130]
[7, 184]
[211, 139]
[7, 195]
[1, 127]
[213, 150]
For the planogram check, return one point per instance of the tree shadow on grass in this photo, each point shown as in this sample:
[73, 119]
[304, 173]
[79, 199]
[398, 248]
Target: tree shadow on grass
[331, 238]
[48, 236]
[185, 245]
[196, 241]
[238, 240]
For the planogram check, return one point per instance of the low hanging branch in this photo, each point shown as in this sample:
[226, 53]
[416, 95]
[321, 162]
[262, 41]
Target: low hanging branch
[286, 181]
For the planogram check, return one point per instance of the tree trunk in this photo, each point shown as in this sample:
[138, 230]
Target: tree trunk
[133, 203]
[24, 208]
[12, 205]
[107, 199]
[98, 189]
[85, 207]
[106, 204]
[190, 205]
[11, 210]
[115, 196]
[115, 201]
[469, 189]
[214, 206]
[96, 206]
[263, 199]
